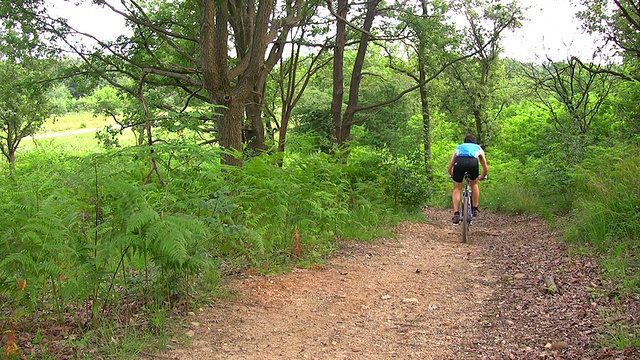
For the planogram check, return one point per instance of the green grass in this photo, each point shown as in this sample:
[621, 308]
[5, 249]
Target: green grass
[49, 139]
[605, 216]
[622, 337]
[71, 144]
[75, 121]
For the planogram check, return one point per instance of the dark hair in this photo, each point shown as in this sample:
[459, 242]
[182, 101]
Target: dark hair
[470, 139]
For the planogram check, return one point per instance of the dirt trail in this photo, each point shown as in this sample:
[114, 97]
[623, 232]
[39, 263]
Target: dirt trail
[423, 295]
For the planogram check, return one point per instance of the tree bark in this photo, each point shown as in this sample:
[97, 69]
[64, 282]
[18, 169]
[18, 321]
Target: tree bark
[356, 74]
[338, 70]
[218, 80]
[343, 125]
[424, 95]
[230, 131]
[255, 137]
[426, 119]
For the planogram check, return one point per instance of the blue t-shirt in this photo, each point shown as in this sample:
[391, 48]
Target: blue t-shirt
[468, 150]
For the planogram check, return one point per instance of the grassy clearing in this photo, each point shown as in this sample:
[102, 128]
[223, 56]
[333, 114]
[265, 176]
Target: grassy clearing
[75, 121]
[72, 134]
[80, 143]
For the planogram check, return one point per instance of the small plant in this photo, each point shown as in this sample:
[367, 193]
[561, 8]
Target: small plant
[623, 337]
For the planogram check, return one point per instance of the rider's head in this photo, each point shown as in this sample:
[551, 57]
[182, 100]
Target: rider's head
[470, 139]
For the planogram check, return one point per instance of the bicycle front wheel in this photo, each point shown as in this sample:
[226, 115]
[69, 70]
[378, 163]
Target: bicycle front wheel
[465, 218]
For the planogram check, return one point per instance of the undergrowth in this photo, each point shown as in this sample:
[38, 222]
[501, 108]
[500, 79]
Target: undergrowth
[106, 256]
[606, 215]
[605, 223]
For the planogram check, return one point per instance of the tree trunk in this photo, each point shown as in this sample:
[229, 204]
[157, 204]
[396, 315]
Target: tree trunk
[338, 71]
[356, 74]
[230, 131]
[255, 138]
[426, 122]
[12, 158]
[477, 115]
[12, 145]
[282, 132]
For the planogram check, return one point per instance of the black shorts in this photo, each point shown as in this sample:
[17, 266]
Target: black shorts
[465, 165]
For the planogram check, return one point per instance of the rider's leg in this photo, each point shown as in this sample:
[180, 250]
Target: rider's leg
[455, 196]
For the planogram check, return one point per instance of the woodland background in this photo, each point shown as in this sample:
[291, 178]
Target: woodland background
[255, 134]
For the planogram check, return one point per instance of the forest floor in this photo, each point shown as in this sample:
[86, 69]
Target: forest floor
[422, 295]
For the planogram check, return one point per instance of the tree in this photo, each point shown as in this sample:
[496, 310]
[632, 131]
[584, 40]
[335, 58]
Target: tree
[291, 81]
[580, 93]
[214, 52]
[429, 37]
[476, 77]
[344, 113]
[627, 110]
[618, 21]
[24, 102]
[252, 30]
[342, 122]
[306, 54]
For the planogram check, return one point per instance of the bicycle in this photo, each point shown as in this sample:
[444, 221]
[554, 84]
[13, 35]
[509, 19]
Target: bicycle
[466, 208]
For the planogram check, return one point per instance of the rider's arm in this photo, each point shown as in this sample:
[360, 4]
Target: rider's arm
[483, 163]
[451, 162]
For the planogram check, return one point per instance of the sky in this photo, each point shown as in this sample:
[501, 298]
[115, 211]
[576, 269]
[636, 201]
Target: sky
[95, 20]
[550, 29]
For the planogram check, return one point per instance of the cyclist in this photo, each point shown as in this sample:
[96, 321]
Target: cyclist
[465, 159]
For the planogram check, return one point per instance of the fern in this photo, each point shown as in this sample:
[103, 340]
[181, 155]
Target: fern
[140, 219]
[7, 286]
[89, 219]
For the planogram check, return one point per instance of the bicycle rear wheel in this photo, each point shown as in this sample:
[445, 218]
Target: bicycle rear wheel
[465, 217]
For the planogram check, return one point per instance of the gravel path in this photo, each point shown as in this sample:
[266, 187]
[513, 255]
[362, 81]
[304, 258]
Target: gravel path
[423, 295]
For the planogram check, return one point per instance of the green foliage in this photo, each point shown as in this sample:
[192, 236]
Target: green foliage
[531, 165]
[70, 230]
[313, 118]
[626, 105]
[525, 128]
[318, 197]
[24, 101]
[86, 230]
[617, 23]
[406, 182]
[104, 100]
[606, 214]
[623, 336]
[62, 99]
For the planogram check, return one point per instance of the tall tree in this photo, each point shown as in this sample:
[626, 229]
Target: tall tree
[341, 11]
[216, 52]
[231, 84]
[305, 54]
[291, 80]
[343, 122]
[579, 92]
[486, 24]
[429, 38]
[24, 102]
[618, 22]
[24, 82]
